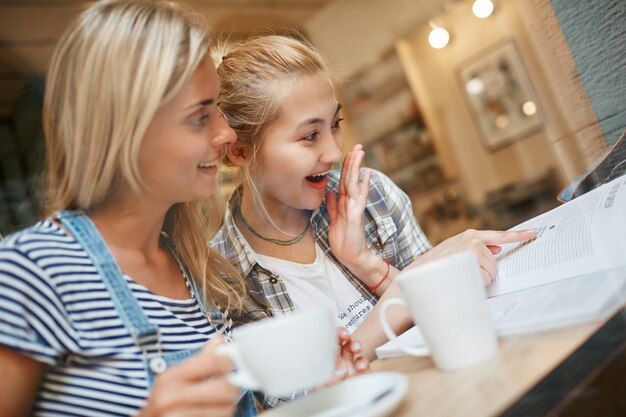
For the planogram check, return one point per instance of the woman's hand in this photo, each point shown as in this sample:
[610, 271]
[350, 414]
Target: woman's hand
[349, 360]
[347, 228]
[347, 223]
[484, 243]
[195, 387]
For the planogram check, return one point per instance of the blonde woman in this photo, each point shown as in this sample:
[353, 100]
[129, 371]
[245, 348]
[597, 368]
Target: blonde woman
[105, 304]
[295, 227]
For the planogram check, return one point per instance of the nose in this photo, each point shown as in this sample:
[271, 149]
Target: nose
[223, 133]
[332, 149]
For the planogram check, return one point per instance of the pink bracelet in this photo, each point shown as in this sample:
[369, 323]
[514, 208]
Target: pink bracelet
[375, 287]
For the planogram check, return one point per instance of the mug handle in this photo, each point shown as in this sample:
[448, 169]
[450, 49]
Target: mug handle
[240, 376]
[392, 336]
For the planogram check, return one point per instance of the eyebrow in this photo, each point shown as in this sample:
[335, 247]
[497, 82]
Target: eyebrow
[317, 119]
[202, 103]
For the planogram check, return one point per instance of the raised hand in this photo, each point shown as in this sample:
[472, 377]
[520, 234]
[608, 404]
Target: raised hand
[347, 228]
[484, 243]
[195, 387]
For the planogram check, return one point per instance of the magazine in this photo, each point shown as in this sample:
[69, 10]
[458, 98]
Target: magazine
[573, 272]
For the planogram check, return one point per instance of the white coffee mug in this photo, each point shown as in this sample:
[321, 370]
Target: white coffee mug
[283, 355]
[447, 301]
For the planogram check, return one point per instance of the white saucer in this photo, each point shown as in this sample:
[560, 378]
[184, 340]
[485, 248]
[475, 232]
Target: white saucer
[371, 395]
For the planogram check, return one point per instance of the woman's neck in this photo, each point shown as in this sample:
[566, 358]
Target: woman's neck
[286, 220]
[128, 222]
[291, 239]
[133, 234]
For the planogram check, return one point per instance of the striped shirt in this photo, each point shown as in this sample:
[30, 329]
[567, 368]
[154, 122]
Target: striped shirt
[55, 308]
[391, 232]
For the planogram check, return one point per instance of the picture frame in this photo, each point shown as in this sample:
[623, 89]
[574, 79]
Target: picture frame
[500, 96]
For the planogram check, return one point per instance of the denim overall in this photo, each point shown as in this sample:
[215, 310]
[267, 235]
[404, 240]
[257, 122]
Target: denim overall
[145, 334]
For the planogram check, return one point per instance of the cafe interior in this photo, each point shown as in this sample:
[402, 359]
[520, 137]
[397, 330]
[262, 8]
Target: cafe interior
[484, 112]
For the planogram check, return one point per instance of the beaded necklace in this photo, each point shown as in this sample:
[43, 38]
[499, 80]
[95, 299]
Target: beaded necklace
[267, 239]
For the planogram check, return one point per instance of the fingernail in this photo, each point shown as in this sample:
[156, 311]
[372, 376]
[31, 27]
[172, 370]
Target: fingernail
[341, 371]
[361, 366]
[356, 346]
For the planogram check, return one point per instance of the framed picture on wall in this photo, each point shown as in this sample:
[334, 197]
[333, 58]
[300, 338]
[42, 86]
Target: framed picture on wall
[499, 94]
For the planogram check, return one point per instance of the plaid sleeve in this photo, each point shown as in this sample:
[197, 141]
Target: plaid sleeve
[410, 240]
[268, 401]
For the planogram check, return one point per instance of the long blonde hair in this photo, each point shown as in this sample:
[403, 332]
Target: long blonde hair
[255, 76]
[118, 63]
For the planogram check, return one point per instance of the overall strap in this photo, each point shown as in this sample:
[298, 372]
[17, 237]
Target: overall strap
[85, 232]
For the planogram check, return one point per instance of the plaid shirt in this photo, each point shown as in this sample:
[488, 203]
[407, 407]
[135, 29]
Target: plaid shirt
[391, 232]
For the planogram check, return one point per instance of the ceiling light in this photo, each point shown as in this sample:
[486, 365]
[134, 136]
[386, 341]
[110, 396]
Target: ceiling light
[482, 8]
[438, 37]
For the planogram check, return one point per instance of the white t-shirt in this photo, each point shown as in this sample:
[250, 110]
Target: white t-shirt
[322, 281]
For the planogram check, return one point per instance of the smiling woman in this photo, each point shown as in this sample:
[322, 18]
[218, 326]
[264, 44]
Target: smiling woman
[288, 139]
[278, 97]
[100, 293]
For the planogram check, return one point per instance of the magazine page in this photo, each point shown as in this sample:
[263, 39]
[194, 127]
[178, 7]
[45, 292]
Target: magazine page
[587, 234]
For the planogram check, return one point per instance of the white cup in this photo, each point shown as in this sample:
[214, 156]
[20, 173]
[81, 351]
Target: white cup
[448, 303]
[283, 355]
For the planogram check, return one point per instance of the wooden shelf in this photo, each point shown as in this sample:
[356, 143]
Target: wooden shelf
[413, 119]
[364, 101]
[386, 119]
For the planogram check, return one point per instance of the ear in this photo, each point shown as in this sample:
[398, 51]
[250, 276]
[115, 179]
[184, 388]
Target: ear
[237, 154]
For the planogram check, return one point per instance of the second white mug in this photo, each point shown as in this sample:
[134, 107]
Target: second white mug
[447, 301]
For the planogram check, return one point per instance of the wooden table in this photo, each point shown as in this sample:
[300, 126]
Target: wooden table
[491, 387]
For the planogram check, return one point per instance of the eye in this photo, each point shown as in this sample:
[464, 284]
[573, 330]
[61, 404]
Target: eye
[200, 121]
[336, 124]
[311, 137]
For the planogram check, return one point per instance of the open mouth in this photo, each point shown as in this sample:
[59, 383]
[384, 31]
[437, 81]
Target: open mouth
[315, 178]
[208, 164]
